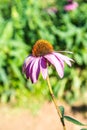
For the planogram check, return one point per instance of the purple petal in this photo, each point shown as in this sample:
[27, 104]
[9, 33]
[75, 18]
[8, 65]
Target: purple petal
[28, 69]
[26, 62]
[56, 63]
[64, 58]
[60, 60]
[35, 70]
[43, 67]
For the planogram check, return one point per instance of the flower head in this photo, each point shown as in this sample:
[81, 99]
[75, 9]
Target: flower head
[71, 6]
[43, 54]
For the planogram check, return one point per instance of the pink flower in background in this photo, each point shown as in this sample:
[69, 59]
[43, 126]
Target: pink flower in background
[42, 56]
[71, 6]
[52, 10]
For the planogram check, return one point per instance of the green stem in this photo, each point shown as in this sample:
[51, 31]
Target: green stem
[55, 103]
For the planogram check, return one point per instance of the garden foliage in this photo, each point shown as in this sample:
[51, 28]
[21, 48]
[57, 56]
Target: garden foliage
[22, 22]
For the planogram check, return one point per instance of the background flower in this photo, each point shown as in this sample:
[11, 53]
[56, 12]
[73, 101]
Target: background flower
[71, 6]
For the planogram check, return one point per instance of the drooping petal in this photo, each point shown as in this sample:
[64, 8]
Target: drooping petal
[64, 58]
[35, 70]
[28, 69]
[60, 60]
[56, 63]
[26, 62]
[43, 67]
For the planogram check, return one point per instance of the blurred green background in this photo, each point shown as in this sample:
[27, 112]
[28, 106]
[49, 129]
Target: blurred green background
[22, 22]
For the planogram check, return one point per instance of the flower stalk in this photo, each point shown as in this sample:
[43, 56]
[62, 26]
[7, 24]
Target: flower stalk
[55, 102]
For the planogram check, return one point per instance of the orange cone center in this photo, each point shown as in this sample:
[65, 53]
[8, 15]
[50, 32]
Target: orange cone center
[41, 48]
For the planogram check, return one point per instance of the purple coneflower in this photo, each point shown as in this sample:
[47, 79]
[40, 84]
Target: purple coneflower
[42, 56]
[71, 6]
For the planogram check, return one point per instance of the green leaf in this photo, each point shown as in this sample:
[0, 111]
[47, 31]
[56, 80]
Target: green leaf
[62, 110]
[8, 31]
[84, 129]
[74, 121]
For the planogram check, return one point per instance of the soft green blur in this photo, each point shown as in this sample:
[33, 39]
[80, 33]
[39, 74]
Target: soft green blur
[22, 22]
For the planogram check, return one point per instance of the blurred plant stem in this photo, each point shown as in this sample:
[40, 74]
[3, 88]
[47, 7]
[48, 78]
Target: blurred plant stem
[55, 103]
